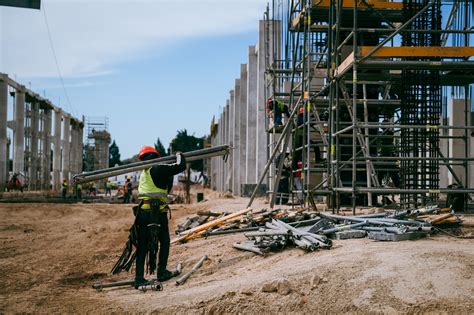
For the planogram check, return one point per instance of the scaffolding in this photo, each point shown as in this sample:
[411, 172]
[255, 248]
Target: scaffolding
[366, 83]
[97, 143]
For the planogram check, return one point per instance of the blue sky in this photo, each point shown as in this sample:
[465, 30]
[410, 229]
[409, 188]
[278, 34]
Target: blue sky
[152, 67]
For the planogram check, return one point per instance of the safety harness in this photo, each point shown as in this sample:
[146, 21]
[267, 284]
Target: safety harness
[155, 200]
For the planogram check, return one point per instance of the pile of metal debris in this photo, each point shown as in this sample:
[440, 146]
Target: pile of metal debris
[278, 235]
[396, 226]
[274, 230]
[229, 222]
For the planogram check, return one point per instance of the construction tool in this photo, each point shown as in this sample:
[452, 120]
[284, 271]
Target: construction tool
[185, 277]
[222, 150]
[154, 285]
[99, 286]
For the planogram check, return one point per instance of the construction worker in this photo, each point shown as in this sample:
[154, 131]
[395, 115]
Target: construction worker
[152, 217]
[298, 181]
[92, 189]
[108, 188]
[127, 191]
[78, 191]
[277, 108]
[456, 201]
[64, 187]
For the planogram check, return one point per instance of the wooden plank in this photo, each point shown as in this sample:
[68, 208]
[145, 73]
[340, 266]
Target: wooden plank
[345, 65]
[203, 227]
[435, 51]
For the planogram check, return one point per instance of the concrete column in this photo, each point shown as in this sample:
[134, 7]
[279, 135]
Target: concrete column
[251, 154]
[443, 146]
[261, 138]
[73, 149]
[217, 170]
[3, 131]
[236, 155]
[80, 147]
[33, 169]
[231, 127]
[456, 146]
[66, 142]
[227, 165]
[222, 142]
[46, 160]
[262, 93]
[57, 150]
[77, 151]
[212, 161]
[243, 127]
[19, 131]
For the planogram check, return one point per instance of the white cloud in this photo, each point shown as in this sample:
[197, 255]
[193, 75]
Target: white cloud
[90, 37]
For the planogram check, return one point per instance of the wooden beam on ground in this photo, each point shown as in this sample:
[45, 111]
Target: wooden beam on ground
[203, 227]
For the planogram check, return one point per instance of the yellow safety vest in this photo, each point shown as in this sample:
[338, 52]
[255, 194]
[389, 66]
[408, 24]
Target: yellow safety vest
[147, 190]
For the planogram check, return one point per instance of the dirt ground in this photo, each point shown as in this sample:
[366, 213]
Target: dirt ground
[51, 254]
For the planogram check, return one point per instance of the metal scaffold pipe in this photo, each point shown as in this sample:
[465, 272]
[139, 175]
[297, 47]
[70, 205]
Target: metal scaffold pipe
[222, 150]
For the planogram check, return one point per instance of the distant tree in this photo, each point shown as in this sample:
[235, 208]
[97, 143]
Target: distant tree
[133, 159]
[114, 154]
[160, 147]
[185, 143]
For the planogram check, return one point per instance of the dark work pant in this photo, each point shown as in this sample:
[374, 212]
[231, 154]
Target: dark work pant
[143, 219]
[126, 198]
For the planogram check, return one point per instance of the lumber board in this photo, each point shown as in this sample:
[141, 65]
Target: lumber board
[210, 224]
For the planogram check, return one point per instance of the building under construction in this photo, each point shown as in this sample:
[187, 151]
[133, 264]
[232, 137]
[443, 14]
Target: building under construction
[46, 146]
[377, 96]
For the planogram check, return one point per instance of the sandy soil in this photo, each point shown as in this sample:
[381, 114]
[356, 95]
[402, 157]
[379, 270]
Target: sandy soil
[51, 254]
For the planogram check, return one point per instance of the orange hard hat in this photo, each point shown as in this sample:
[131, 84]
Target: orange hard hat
[147, 149]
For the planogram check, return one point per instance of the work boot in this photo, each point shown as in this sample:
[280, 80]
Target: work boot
[165, 275]
[141, 282]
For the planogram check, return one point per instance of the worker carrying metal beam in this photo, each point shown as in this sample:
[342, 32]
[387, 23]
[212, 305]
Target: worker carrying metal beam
[151, 219]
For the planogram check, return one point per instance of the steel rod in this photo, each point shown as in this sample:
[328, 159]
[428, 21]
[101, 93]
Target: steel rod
[186, 276]
[396, 31]
[123, 169]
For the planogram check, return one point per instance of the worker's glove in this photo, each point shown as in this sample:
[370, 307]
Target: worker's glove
[178, 157]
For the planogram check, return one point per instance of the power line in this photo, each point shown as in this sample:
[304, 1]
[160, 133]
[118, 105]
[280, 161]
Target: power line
[56, 60]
